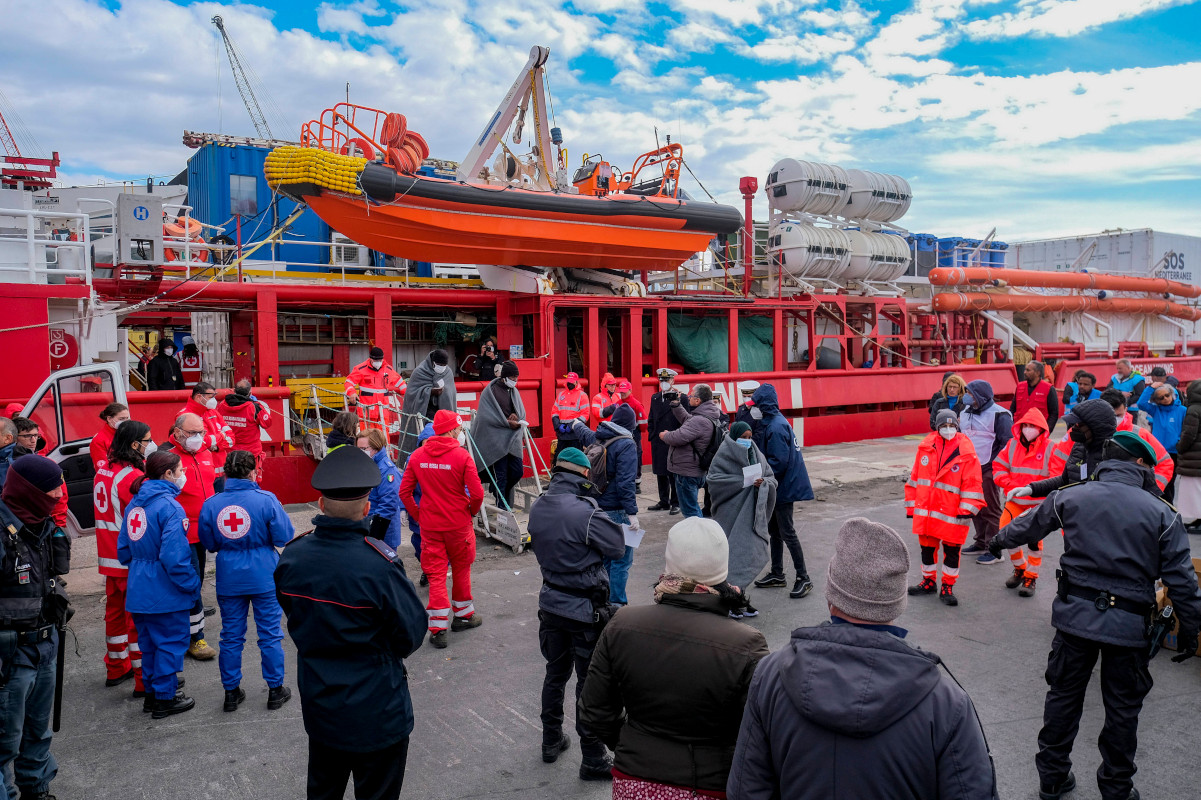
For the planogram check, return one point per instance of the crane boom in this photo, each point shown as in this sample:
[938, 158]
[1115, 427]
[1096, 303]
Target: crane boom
[243, 83]
[7, 140]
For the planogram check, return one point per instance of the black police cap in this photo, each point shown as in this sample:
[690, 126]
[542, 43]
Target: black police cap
[347, 473]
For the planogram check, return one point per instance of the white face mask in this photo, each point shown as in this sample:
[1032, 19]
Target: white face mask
[149, 449]
[440, 369]
[376, 364]
[748, 401]
[180, 480]
[462, 438]
[117, 423]
[211, 403]
[169, 351]
[948, 432]
[664, 385]
[368, 451]
[756, 413]
[1030, 432]
[193, 443]
[511, 383]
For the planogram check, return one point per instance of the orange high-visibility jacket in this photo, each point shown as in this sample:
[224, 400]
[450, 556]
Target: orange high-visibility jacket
[372, 386]
[571, 403]
[1020, 465]
[1164, 468]
[944, 485]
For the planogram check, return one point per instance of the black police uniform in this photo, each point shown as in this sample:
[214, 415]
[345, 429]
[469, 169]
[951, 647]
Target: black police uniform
[354, 616]
[658, 419]
[31, 559]
[1118, 538]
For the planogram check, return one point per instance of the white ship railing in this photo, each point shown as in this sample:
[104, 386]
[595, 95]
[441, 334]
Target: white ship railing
[37, 265]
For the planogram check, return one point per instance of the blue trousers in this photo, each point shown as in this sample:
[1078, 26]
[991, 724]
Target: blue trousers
[619, 570]
[688, 489]
[267, 616]
[164, 639]
[26, 703]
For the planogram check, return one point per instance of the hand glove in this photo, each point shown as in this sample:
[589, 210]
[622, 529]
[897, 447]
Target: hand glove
[1021, 491]
[1186, 643]
[555, 420]
[607, 411]
[995, 547]
[635, 526]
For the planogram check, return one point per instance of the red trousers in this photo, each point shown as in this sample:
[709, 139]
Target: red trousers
[120, 634]
[456, 549]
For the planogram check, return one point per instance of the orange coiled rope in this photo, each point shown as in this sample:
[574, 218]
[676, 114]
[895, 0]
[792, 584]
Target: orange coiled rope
[405, 149]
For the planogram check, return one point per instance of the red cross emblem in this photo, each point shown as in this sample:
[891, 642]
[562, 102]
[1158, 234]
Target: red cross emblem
[135, 525]
[233, 522]
[100, 495]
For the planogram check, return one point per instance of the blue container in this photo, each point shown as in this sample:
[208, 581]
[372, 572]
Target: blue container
[925, 242]
[224, 179]
[997, 256]
[946, 250]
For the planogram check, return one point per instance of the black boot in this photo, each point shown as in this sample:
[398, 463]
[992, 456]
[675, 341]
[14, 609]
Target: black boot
[550, 752]
[1054, 791]
[234, 698]
[598, 768]
[277, 696]
[178, 705]
[42, 795]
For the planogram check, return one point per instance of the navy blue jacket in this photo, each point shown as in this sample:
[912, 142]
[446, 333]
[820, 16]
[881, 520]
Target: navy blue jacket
[243, 525]
[385, 498]
[621, 465]
[153, 543]
[354, 616]
[776, 439]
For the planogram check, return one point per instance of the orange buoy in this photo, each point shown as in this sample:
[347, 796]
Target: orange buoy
[359, 147]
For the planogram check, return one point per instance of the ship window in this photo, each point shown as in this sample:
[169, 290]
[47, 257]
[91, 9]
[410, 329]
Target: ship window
[243, 195]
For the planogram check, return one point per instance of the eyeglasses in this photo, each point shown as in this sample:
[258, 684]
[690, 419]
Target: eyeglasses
[30, 436]
[191, 433]
[147, 440]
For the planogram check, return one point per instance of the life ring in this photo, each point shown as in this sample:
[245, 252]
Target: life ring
[401, 160]
[392, 132]
[359, 147]
[417, 139]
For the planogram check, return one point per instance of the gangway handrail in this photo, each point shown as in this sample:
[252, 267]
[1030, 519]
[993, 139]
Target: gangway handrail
[35, 268]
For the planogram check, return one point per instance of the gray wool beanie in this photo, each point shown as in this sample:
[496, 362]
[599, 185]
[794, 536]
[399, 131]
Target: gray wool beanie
[867, 575]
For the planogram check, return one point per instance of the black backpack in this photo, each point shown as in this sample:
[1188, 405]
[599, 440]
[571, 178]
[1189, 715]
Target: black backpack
[705, 457]
[598, 457]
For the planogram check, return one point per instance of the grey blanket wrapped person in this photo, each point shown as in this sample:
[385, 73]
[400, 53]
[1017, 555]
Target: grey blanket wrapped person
[416, 411]
[742, 512]
[490, 429]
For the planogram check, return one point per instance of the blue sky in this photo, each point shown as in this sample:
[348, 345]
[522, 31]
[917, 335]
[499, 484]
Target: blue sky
[1039, 117]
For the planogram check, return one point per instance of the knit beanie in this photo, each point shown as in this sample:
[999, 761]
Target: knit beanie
[697, 549]
[40, 472]
[573, 455]
[446, 421]
[946, 416]
[623, 416]
[866, 577]
[509, 370]
[739, 429]
[376, 352]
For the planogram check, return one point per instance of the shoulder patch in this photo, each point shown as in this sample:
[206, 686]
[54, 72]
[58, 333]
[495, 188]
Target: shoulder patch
[298, 537]
[378, 546]
[391, 477]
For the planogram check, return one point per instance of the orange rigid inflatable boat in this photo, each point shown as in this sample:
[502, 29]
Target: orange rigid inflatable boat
[603, 220]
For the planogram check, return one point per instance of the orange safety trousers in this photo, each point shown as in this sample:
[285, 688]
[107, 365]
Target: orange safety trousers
[950, 559]
[1029, 558]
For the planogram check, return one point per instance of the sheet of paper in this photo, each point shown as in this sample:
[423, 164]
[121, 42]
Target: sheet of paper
[751, 473]
[633, 536]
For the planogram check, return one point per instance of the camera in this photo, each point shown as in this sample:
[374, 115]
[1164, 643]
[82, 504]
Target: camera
[671, 396]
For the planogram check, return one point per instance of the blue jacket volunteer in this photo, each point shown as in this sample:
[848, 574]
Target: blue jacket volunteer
[384, 498]
[354, 617]
[1118, 539]
[33, 552]
[776, 439]
[163, 584]
[243, 525]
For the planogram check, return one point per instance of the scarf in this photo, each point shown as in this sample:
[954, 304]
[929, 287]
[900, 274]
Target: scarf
[31, 505]
[674, 584]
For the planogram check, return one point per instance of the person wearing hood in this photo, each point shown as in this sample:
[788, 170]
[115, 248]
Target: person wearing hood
[1164, 468]
[451, 495]
[1118, 540]
[431, 388]
[776, 439]
[1089, 424]
[613, 442]
[668, 680]
[660, 418]
[570, 404]
[850, 708]
[1029, 456]
[1188, 464]
[120, 476]
[244, 525]
[698, 428]
[162, 371]
[951, 397]
[191, 361]
[573, 542]
[1161, 403]
[1035, 392]
[343, 430]
[34, 553]
[372, 388]
[989, 427]
[384, 498]
[414, 528]
[626, 397]
[245, 417]
[113, 416]
[164, 586]
[743, 510]
[942, 495]
[602, 399]
[8, 443]
[218, 438]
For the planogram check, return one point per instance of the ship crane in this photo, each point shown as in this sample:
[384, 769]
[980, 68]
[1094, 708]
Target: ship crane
[17, 169]
[243, 83]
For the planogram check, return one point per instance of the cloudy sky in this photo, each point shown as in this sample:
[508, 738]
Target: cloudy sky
[1039, 117]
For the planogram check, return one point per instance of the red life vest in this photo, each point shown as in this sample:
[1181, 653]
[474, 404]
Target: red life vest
[1027, 400]
[191, 367]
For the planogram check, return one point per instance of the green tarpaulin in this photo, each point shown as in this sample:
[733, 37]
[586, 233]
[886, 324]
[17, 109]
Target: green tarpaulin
[702, 343]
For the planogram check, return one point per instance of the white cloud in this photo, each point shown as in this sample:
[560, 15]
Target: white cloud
[1062, 18]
